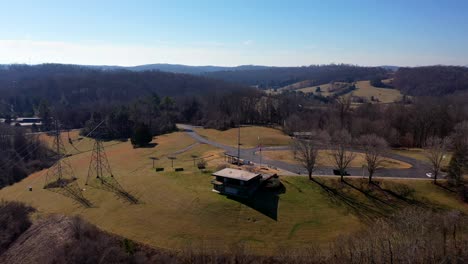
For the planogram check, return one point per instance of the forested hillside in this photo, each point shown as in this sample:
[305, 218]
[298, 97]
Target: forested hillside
[275, 77]
[20, 155]
[24, 86]
[431, 80]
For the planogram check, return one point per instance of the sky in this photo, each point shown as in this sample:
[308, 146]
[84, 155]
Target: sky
[235, 32]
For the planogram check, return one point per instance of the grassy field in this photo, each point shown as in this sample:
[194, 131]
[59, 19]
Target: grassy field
[179, 209]
[417, 153]
[366, 90]
[325, 159]
[249, 136]
[80, 144]
[326, 89]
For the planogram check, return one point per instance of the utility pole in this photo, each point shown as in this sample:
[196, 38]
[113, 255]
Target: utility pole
[57, 142]
[172, 158]
[194, 157]
[238, 145]
[153, 158]
[260, 147]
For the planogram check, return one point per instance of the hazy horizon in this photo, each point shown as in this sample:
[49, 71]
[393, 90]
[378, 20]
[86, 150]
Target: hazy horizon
[270, 33]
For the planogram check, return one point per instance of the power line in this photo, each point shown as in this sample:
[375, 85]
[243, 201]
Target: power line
[45, 171]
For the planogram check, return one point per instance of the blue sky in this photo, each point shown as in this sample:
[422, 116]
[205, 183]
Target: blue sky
[282, 33]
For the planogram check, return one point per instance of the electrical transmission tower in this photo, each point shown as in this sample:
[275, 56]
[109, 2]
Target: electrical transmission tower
[61, 173]
[99, 167]
[100, 174]
[60, 178]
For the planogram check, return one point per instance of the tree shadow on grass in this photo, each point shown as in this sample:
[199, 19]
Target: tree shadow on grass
[405, 195]
[446, 187]
[368, 194]
[264, 201]
[402, 193]
[340, 196]
[149, 145]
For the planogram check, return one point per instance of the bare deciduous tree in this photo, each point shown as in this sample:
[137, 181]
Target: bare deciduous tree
[435, 150]
[305, 150]
[343, 104]
[374, 148]
[459, 161]
[341, 154]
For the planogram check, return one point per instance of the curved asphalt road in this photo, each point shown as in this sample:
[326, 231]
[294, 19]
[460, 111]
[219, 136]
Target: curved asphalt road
[418, 169]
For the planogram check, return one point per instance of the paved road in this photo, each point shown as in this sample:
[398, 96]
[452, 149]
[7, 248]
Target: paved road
[418, 169]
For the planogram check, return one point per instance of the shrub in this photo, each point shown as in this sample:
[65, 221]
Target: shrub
[201, 164]
[14, 220]
[141, 135]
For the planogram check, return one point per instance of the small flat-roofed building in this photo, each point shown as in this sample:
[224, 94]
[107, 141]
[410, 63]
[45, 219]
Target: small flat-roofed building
[236, 182]
[27, 121]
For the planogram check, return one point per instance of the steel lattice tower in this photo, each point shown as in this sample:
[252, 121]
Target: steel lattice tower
[60, 178]
[100, 174]
[99, 167]
[61, 173]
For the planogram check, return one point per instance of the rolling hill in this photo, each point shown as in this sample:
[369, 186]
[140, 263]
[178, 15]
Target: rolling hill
[431, 80]
[179, 68]
[80, 85]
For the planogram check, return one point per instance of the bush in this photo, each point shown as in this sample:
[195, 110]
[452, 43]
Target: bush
[201, 164]
[14, 220]
[141, 135]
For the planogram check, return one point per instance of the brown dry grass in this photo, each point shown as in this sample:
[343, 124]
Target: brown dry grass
[418, 154]
[325, 159]
[366, 90]
[179, 209]
[249, 136]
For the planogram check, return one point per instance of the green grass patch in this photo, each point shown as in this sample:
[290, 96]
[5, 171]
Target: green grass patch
[180, 208]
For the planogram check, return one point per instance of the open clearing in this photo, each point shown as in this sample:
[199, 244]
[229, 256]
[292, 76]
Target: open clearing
[419, 154]
[325, 159]
[327, 89]
[179, 209]
[365, 90]
[249, 136]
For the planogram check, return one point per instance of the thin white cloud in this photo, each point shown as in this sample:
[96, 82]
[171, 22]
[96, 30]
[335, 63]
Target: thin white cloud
[248, 42]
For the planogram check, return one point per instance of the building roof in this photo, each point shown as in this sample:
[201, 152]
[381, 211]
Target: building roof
[299, 134]
[26, 124]
[236, 174]
[27, 119]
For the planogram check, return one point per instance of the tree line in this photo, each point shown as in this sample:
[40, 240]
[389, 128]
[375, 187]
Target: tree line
[431, 80]
[275, 77]
[343, 149]
[20, 154]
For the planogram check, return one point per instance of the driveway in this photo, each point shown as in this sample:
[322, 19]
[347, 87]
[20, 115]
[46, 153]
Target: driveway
[418, 168]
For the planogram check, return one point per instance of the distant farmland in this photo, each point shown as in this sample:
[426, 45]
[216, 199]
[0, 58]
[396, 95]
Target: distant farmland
[363, 90]
[383, 95]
